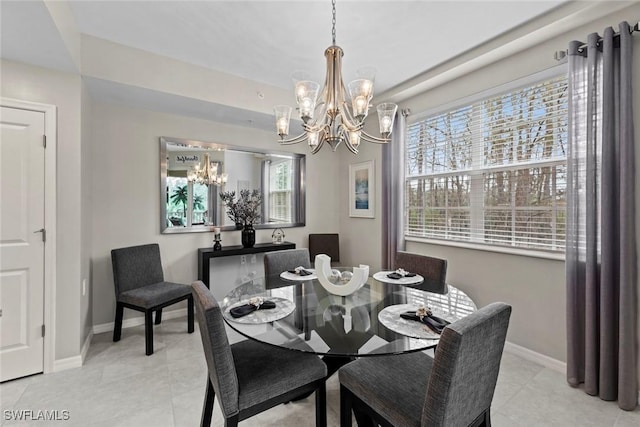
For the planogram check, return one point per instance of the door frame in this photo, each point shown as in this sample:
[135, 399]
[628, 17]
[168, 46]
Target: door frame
[50, 205]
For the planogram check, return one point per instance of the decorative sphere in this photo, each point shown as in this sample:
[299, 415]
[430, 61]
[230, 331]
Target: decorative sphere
[335, 277]
[345, 277]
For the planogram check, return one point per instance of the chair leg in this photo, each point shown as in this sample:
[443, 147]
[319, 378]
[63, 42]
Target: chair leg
[117, 329]
[487, 418]
[158, 316]
[190, 328]
[483, 420]
[207, 410]
[345, 407]
[231, 421]
[148, 332]
[321, 406]
[363, 419]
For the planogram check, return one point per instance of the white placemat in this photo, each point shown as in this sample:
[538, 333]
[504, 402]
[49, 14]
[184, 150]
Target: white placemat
[390, 318]
[298, 278]
[284, 307]
[381, 276]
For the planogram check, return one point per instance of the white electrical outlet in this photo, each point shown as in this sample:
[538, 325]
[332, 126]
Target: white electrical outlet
[243, 259]
[84, 287]
[253, 259]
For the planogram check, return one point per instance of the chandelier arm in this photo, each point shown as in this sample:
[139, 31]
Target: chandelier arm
[348, 121]
[351, 148]
[318, 147]
[374, 139]
[294, 140]
[316, 126]
[347, 141]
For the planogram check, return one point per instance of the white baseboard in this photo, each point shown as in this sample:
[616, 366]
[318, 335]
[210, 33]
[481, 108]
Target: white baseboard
[74, 361]
[540, 359]
[137, 321]
[67, 363]
[535, 357]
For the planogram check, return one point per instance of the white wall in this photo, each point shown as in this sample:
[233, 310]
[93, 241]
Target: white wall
[535, 287]
[126, 193]
[29, 83]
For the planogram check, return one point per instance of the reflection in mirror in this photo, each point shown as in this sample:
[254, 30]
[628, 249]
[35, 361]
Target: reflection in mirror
[193, 173]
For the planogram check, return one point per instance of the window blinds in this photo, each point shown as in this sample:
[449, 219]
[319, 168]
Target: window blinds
[493, 171]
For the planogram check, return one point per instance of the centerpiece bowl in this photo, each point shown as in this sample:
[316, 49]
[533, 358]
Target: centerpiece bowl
[336, 283]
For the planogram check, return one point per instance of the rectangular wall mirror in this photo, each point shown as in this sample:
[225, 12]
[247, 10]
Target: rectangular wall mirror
[194, 173]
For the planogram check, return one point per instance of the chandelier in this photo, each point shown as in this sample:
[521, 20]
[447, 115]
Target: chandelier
[207, 175]
[329, 117]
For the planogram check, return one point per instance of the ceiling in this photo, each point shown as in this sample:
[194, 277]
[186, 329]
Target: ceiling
[266, 41]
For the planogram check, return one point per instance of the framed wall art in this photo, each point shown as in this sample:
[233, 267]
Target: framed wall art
[361, 190]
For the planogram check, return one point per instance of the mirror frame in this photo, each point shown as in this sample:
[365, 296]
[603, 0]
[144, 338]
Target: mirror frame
[299, 186]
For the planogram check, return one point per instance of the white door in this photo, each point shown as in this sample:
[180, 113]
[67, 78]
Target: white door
[21, 243]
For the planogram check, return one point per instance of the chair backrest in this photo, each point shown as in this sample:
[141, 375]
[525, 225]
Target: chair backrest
[136, 266]
[222, 369]
[279, 261]
[325, 243]
[465, 367]
[434, 270]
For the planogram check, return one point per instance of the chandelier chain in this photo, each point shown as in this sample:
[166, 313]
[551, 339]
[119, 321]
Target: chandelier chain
[333, 21]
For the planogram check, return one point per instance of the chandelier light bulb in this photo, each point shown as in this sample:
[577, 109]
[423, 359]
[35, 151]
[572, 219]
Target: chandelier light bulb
[354, 139]
[283, 126]
[386, 124]
[313, 139]
[360, 105]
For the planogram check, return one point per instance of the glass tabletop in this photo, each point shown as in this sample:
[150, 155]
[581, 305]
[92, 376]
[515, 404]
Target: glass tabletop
[366, 323]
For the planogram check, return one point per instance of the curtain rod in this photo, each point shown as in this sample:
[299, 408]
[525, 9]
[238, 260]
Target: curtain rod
[559, 55]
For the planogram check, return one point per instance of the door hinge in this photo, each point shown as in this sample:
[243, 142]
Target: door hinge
[42, 331]
[44, 234]
[44, 141]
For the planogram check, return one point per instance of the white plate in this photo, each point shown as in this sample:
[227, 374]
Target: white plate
[390, 318]
[296, 277]
[381, 276]
[284, 307]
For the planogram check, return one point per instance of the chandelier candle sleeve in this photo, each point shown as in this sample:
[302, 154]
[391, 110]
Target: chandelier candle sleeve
[329, 115]
[283, 114]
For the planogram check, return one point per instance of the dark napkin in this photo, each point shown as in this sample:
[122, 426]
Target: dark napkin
[396, 276]
[302, 272]
[436, 324]
[243, 310]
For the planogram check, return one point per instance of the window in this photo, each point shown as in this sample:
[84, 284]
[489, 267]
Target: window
[179, 192]
[280, 179]
[491, 171]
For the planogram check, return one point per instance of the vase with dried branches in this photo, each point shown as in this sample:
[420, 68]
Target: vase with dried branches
[244, 211]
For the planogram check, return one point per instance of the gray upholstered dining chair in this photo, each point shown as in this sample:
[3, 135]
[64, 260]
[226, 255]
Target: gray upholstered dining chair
[324, 243]
[249, 377]
[434, 270]
[139, 285]
[279, 261]
[453, 389]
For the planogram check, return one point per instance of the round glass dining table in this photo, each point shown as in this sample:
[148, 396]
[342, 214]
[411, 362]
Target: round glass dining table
[309, 319]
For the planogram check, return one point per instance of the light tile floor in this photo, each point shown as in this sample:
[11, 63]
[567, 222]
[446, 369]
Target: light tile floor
[120, 386]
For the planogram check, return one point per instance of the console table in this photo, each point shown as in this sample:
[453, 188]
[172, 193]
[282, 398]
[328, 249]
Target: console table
[205, 254]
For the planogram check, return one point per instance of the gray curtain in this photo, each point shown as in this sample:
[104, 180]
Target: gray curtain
[392, 184]
[601, 263]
